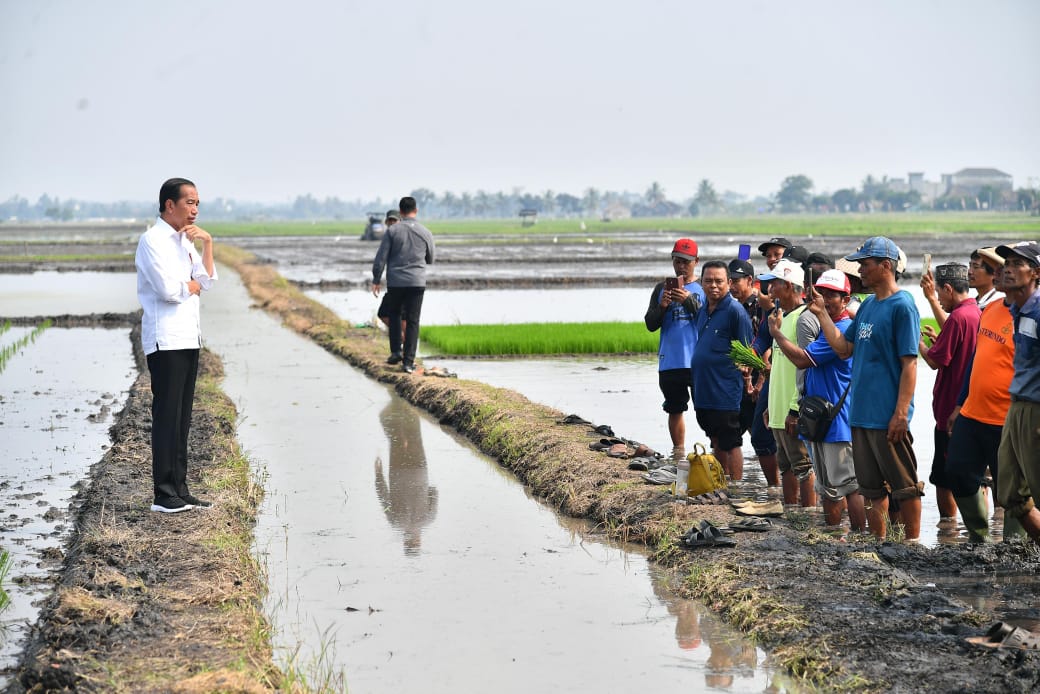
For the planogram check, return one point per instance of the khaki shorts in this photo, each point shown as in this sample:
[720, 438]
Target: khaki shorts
[1019, 458]
[791, 455]
[835, 470]
[884, 468]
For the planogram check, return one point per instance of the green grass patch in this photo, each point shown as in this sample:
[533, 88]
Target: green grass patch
[1010, 225]
[541, 338]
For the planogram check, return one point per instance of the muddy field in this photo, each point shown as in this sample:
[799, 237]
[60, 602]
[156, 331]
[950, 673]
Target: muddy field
[842, 615]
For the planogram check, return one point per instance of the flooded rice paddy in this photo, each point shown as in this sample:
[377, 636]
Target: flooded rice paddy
[50, 293]
[57, 398]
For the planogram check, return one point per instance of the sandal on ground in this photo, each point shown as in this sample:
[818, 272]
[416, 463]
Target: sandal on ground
[1004, 635]
[604, 444]
[602, 430]
[752, 524]
[642, 463]
[644, 450]
[706, 535]
[715, 498]
[618, 450]
[659, 476]
[573, 419]
[773, 509]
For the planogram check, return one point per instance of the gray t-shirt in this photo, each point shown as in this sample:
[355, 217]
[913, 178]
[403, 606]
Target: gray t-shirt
[405, 251]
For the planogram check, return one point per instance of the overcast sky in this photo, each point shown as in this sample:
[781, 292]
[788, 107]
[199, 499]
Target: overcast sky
[263, 101]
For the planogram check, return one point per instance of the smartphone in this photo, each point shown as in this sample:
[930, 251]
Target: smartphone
[671, 283]
[927, 263]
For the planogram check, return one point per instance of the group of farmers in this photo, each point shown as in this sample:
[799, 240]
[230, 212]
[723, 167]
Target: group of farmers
[843, 332]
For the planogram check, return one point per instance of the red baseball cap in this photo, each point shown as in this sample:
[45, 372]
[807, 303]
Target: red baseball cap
[685, 248]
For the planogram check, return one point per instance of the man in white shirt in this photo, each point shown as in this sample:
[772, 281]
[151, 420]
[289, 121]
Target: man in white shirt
[171, 275]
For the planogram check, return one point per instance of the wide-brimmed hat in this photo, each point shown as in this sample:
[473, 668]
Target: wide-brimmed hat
[990, 254]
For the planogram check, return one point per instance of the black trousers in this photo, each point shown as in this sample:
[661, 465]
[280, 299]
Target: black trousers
[173, 391]
[406, 303]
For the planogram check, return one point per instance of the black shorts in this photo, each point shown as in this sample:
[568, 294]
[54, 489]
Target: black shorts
[723, 426]
[384, 310]
[677, 388]
[973, 448]
[938, 475]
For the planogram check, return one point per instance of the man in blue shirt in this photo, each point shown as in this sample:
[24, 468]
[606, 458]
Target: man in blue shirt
[829, 377]
[718, 383]
[673, 306]
[884, 335]
[1019, 452]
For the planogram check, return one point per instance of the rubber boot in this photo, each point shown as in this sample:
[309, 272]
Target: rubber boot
[1013, 530]
[975, 513]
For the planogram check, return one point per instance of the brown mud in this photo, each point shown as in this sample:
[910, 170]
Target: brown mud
[840, 615]
[148, 602]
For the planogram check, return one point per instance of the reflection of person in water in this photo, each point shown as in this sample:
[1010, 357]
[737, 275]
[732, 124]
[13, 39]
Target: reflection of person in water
[405, 493]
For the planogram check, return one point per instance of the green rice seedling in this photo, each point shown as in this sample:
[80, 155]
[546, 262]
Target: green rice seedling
[8, 351]
[541, 339]
[5, 567]
[743, 355]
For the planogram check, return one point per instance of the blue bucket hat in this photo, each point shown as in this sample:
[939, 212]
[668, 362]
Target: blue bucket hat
[876, 247]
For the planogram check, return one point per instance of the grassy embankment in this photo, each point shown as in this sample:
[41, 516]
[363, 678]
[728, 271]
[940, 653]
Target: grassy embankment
[1016, 226]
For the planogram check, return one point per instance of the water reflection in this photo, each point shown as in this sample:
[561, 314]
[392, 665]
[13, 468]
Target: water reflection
[729, 656]
[407, 498]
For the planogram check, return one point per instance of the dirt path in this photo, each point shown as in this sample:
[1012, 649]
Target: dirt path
[149, 602]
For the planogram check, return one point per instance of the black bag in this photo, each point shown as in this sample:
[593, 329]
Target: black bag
[815, 415]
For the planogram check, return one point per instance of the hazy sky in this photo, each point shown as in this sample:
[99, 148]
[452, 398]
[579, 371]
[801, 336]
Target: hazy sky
[263, 101]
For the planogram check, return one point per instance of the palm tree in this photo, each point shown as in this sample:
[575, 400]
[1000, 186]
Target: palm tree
[706, 196]
[655, 194]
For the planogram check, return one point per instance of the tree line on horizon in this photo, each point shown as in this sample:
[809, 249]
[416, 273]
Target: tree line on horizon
[795, 195]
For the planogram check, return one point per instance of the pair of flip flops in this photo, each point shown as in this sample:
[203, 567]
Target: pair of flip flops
[602, 430]
[706, 534]
[772, 508]
[1004, 635]
[645, 463]
[662, 475]
[573, 419]
[752, 524]
[605, 444]
[715, 498]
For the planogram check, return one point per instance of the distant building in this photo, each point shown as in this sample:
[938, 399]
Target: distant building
[968, 182]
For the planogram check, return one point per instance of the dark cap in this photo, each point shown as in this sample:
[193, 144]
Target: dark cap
[1026, 249]
[775, 241]
[740, 268]
[817, 257]
[393, 214]
[799, 254]
[950, 272]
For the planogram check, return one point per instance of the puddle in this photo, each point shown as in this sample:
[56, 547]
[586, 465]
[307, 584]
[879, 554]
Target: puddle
[421, 565]
[57, 399]
[75, 293]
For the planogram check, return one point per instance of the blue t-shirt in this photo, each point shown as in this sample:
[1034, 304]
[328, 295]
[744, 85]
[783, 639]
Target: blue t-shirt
[718, 383]
[1025, 383]
[678, 337]
[828, 377]
[882, 332]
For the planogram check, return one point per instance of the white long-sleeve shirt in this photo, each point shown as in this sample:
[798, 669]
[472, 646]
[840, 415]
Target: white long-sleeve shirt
[166, 261]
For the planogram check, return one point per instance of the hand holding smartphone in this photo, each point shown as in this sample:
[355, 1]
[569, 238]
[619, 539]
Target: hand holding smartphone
[671, 283]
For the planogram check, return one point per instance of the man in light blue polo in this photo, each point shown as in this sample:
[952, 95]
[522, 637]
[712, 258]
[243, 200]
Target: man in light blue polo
[672, 310]
[885, 335]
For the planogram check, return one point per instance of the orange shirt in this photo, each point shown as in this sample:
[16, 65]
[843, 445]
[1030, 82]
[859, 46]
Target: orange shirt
[988, 391]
